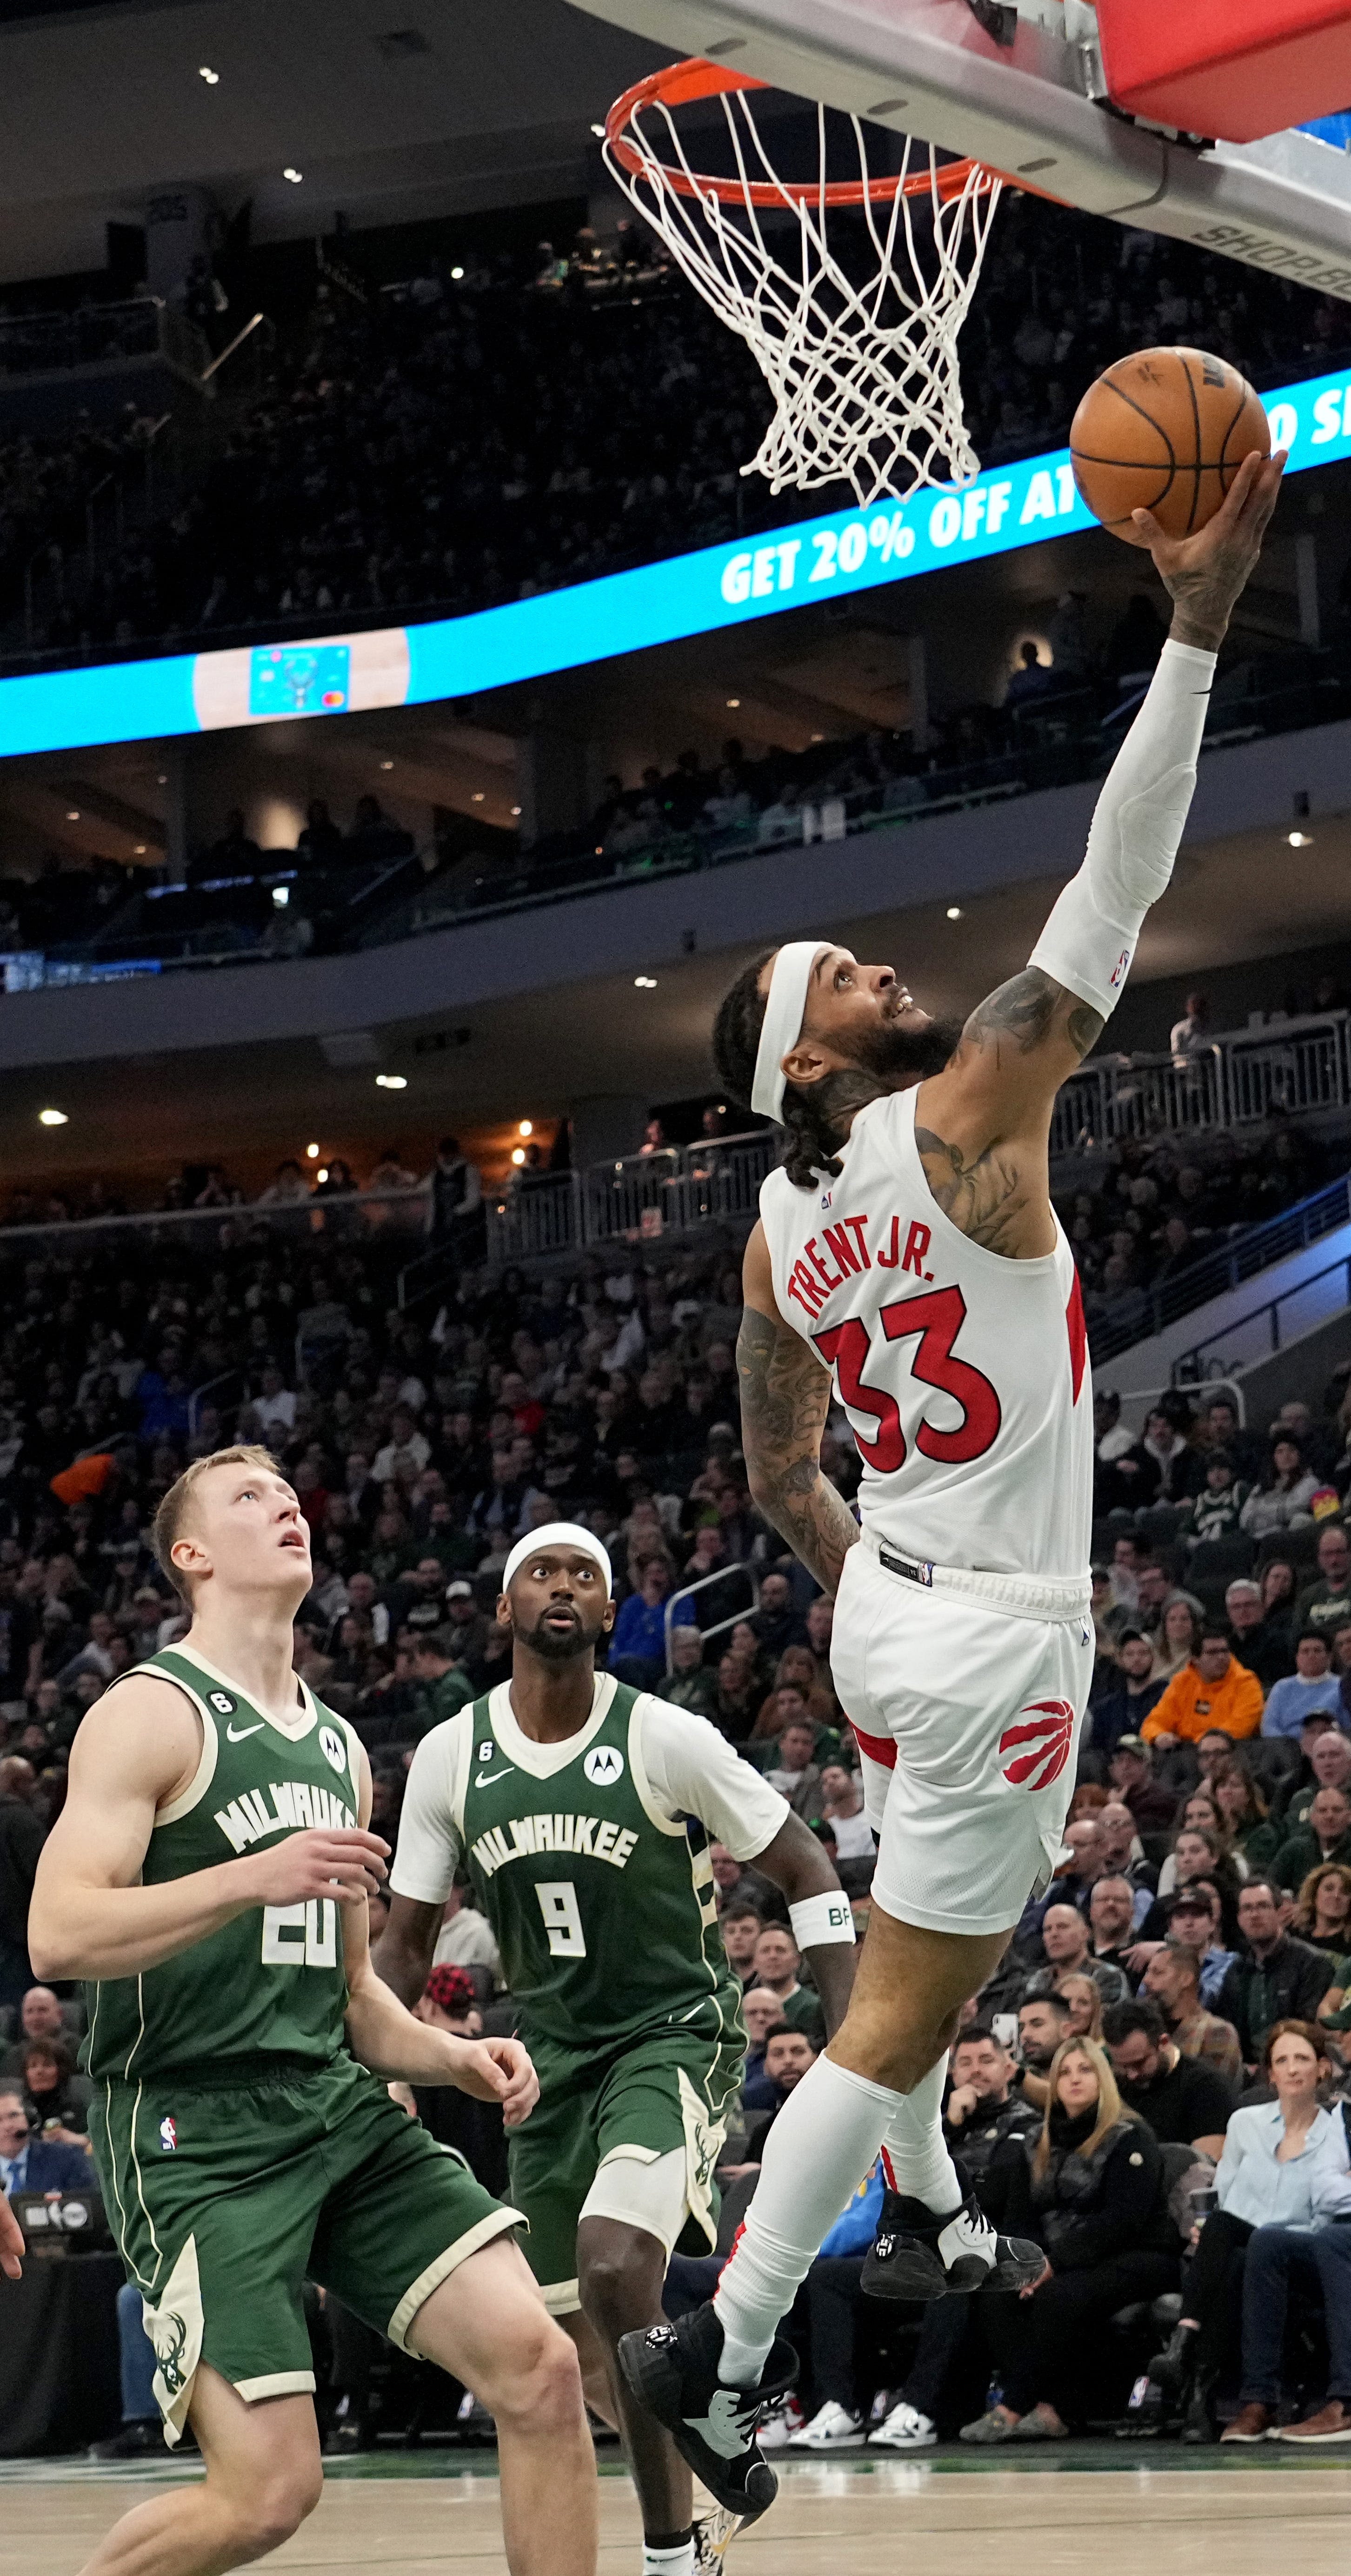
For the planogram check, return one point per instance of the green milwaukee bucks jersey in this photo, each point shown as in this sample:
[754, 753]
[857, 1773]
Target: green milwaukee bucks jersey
[602, 1908]
[271, 1982]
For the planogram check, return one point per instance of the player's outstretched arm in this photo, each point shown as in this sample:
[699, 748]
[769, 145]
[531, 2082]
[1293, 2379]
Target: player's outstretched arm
[136, 1751]
[817, 1907]
[1023, 1041]
[385, 2036]
[785, 1397]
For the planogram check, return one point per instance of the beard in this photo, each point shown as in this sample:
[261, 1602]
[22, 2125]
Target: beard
[898, 1052]
[561, 1646]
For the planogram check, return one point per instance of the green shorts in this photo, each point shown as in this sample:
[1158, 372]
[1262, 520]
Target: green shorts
[226, 2197]
[599, 2122]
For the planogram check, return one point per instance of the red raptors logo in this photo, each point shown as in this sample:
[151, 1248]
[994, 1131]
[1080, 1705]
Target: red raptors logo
[1040, 1748]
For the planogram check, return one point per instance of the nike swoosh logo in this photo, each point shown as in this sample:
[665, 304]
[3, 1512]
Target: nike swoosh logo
[236, 1734]
[485, 1779]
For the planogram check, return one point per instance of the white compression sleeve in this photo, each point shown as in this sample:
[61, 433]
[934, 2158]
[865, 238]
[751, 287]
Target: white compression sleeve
[1089, 941]
[914, 2151]
[816, 2155]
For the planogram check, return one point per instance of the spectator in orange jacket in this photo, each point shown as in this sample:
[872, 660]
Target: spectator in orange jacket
[1214, 1691]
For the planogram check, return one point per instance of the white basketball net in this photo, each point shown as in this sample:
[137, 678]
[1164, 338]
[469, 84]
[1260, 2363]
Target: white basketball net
[863, 367]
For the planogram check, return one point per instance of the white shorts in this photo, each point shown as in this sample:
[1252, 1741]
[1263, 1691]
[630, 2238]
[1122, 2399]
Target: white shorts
[967, 1715]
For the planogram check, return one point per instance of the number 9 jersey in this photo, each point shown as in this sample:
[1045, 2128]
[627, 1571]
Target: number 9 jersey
[964, 1375]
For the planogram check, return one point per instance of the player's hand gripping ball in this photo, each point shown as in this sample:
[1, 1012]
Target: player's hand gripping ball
[1165, 430]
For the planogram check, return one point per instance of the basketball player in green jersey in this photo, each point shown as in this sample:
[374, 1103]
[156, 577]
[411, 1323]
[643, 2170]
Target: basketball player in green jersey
[583, 1812]
[209, 1877]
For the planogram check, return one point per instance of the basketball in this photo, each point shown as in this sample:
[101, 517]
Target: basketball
[1165, 430]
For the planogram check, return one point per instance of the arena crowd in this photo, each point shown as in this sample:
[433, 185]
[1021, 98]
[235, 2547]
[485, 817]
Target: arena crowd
[501, 424]
[1151, 2084]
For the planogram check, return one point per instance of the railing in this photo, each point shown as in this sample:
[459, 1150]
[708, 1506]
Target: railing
[99, 335]
[635, 1199]
[1138, 1402]
[213, 1394]
[283, 910]
[1139, 1315]
[528, 883]
[58, 574]
[370, 1216]
[1268, 1327]
[536, 1217]
[1242, 1077]
[39, 344]
[627, 1201]
[256, 322]
[721, 1574]
[1306, 1066]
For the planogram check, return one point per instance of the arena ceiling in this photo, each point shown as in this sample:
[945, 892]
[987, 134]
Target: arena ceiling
[390, 109]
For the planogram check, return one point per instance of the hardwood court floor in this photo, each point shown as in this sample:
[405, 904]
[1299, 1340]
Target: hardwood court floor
[889, 2518]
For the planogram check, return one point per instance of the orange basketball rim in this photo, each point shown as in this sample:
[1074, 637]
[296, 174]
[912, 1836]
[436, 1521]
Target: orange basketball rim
[682, 84]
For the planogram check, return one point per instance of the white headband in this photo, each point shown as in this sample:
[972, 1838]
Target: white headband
[558, 1534]
[785, 1007]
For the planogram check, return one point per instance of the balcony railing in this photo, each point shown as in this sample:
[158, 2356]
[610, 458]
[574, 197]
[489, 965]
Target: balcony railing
[1267, 1327]
[42, 344]
[1298, 1067]
[1058, 742]
[1143, 1312]
[636, 1199]
[369, 1216]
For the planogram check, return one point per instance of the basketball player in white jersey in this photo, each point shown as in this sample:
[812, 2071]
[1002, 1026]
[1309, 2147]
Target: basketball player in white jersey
[909, 1265]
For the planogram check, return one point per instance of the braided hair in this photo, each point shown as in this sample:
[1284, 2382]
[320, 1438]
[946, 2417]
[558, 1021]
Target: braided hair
[812, 1117]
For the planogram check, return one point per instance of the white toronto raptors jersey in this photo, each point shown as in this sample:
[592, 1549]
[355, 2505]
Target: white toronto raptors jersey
[964, 1375]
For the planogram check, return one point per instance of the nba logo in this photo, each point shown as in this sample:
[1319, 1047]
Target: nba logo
[168, 2136]
[1119, 970]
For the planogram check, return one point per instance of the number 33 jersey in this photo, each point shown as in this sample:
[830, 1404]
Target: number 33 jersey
[590, 1859]
[964, 1375]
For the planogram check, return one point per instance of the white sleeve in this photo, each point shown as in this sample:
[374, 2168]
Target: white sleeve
[1138, 821]
[428, 1850]
[692, 1770]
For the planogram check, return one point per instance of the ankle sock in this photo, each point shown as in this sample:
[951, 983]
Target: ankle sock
[668, 2555]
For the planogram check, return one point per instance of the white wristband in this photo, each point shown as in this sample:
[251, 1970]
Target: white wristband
[818, 1919]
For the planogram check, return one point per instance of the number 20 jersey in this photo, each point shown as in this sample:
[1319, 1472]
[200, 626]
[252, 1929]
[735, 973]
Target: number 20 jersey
[272, 1982]
[964, 1375]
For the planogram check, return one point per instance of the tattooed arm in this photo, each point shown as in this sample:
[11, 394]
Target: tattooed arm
[982, 1125]
[785, 1397]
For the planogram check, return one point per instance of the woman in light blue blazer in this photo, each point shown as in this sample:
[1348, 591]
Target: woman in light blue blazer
[1282, 2161]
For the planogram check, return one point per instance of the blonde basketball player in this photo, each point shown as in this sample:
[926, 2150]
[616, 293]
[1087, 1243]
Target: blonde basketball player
[909, 1265]
[209, 1877]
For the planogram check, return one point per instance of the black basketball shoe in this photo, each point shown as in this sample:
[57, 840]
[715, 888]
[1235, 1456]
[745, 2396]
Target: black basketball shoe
[673, 2372]
[915, 2255]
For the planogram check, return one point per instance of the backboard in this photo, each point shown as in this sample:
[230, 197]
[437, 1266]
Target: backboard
[1022, 89]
